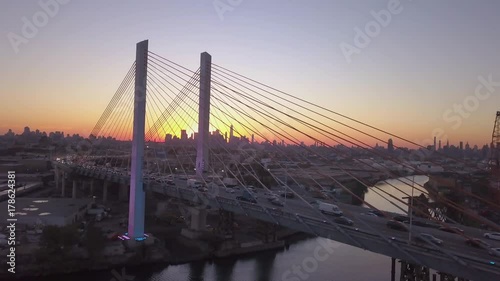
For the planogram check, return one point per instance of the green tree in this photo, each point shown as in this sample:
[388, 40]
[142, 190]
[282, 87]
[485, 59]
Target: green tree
[56, 242]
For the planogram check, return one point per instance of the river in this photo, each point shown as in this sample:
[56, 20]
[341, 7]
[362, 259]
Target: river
[315, 259]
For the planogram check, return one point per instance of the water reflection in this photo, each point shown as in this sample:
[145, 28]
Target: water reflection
[264, 266]
[196, 271]
[398, 188]
[224, 269]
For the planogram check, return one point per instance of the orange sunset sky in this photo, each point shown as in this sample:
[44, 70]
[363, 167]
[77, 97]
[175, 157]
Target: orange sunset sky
[420, 75]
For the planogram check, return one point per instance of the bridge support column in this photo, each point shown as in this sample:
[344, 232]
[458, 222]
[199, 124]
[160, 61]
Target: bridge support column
[123, 192]
[73, 192]
[198, 219]
[63, 185]
[92, 182]
[198, 223]
[267, 231]
[202, 154]
[225, 224]
[393, 269]
[137, 194]
[105, 191]
[56, 176]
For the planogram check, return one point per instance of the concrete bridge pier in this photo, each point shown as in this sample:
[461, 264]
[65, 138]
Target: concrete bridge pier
[225, 225]
[393, 269]
[198, 219]
[92, 183]
[73, 192]
[123, 192]
[198, 223]
[105, 191]
[63, 185]
[56, 176]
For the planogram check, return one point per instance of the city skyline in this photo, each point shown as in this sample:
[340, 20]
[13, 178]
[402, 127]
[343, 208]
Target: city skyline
[417, 77]
[183, 134]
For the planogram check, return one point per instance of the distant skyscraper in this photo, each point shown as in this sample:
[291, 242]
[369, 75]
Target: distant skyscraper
[439, 144]
[390, 145]
[168, 137]
[435, 143]
[461, 145]
[231, 132]
[184, 135]
[253, 139]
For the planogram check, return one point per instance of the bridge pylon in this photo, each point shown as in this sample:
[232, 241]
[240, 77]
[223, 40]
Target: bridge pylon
[137, 194]
[202, 154]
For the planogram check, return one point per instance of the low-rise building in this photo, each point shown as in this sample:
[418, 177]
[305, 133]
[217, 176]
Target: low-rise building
[30, 212]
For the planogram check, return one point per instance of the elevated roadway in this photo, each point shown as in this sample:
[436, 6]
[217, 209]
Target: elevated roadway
[368, 232]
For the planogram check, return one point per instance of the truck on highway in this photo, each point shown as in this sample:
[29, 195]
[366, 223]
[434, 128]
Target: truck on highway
[230, 182]
[194, 183]
[247, 196]
[330, 209]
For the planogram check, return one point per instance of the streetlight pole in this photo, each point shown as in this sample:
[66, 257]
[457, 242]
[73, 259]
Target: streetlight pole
[411, 208]
[286, 184]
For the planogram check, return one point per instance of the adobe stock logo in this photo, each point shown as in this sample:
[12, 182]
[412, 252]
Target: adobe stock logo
[30, 28]
[483, 91]
[223, 6]
[363, 38]
[309, 265]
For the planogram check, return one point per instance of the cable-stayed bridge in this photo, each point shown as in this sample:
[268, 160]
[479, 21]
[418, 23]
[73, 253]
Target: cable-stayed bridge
[168, 126]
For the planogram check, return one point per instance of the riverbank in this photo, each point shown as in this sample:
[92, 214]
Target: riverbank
[179, 251]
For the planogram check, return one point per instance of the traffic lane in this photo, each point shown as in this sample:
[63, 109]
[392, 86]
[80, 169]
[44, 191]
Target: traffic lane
[372, 224]
[378, 225]
[355, 212]
[371, 221]
[471, 231]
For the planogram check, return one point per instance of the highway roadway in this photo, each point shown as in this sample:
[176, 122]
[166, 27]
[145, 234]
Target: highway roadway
[359, 215]
[302, 216]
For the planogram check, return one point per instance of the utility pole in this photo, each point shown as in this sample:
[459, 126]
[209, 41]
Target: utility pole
[411, 208]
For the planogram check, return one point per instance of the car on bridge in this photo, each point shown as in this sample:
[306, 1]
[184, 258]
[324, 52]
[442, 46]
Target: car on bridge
[451, 229]
[493, 235]
[277, 202]
[401, 218]
[426, 238]
[378, 213]
[247, 196]
[494, 252]
[343, 220]
[270, 196]
[422, 223]
[287, 194]
[330, 209]
[397, 225]
[477, 243]
[241, 198]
